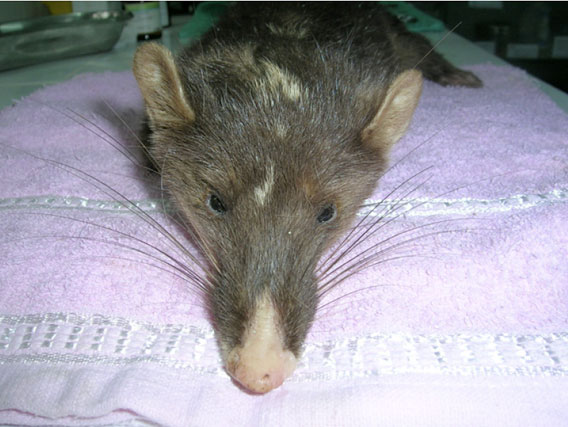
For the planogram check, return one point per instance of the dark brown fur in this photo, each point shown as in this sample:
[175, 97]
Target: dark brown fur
[301, 89]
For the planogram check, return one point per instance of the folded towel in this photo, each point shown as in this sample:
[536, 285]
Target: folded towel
[469, 308]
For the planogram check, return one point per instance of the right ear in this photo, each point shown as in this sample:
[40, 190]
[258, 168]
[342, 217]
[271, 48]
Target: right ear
[159, 81]
[395, 112]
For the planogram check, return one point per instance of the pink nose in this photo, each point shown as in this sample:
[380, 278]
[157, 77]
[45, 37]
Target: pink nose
[260, 373]
[262, 362]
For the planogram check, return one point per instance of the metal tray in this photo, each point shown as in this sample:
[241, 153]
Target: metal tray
[57, 37]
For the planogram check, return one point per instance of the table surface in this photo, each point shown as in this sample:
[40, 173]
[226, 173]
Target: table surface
[15, 84]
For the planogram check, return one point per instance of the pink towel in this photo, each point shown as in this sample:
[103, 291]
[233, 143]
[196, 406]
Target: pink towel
[467, 322]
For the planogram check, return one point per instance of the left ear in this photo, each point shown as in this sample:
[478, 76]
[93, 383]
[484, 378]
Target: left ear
[160, 83]
[395, 112]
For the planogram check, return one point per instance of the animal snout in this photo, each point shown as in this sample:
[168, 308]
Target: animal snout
[261, 372]
[262, 363]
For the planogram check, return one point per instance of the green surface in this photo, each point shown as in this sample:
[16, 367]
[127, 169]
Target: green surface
[206, 14]
[414, 19]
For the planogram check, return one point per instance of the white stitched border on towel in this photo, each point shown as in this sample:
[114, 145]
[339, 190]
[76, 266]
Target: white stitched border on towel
[81, 203]
[102, 340]
[421, 206]
[424, 206]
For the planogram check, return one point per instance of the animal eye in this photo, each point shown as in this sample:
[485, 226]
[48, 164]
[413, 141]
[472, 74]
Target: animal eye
[327, 214]
[216, 204]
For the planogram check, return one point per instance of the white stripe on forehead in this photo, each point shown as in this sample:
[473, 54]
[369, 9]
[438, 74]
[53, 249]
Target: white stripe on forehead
[262, 192]
[274, 81]
[280, 130]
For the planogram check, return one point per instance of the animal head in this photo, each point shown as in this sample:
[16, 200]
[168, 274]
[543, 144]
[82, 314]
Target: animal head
[269, 167]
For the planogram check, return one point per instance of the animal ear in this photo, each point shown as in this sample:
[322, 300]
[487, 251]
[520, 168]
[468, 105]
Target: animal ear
[395, 111]
[161, 87]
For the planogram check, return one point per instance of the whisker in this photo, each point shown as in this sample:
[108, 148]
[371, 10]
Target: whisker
[356, 241]
[123, 200]
[354, 229]
[201, 242]
[144, 147]
[118, 116]
[390, 238]
[182, 277]
[326, 272]
[190, 276]
[368, 261]
[196, 239]
[112, 230]
[389, 169]
[203, 246]
[121, 233]
[366, 288]
[437, 44]
[107, 137]
[195, 234]
[113, 142]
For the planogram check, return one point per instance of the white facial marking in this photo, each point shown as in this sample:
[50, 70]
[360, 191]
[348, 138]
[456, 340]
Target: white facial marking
[281, 81]
[262, 192]
[280, 130]
[262, 363]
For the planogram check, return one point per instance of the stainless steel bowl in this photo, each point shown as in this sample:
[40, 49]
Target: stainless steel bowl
[57, 37]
